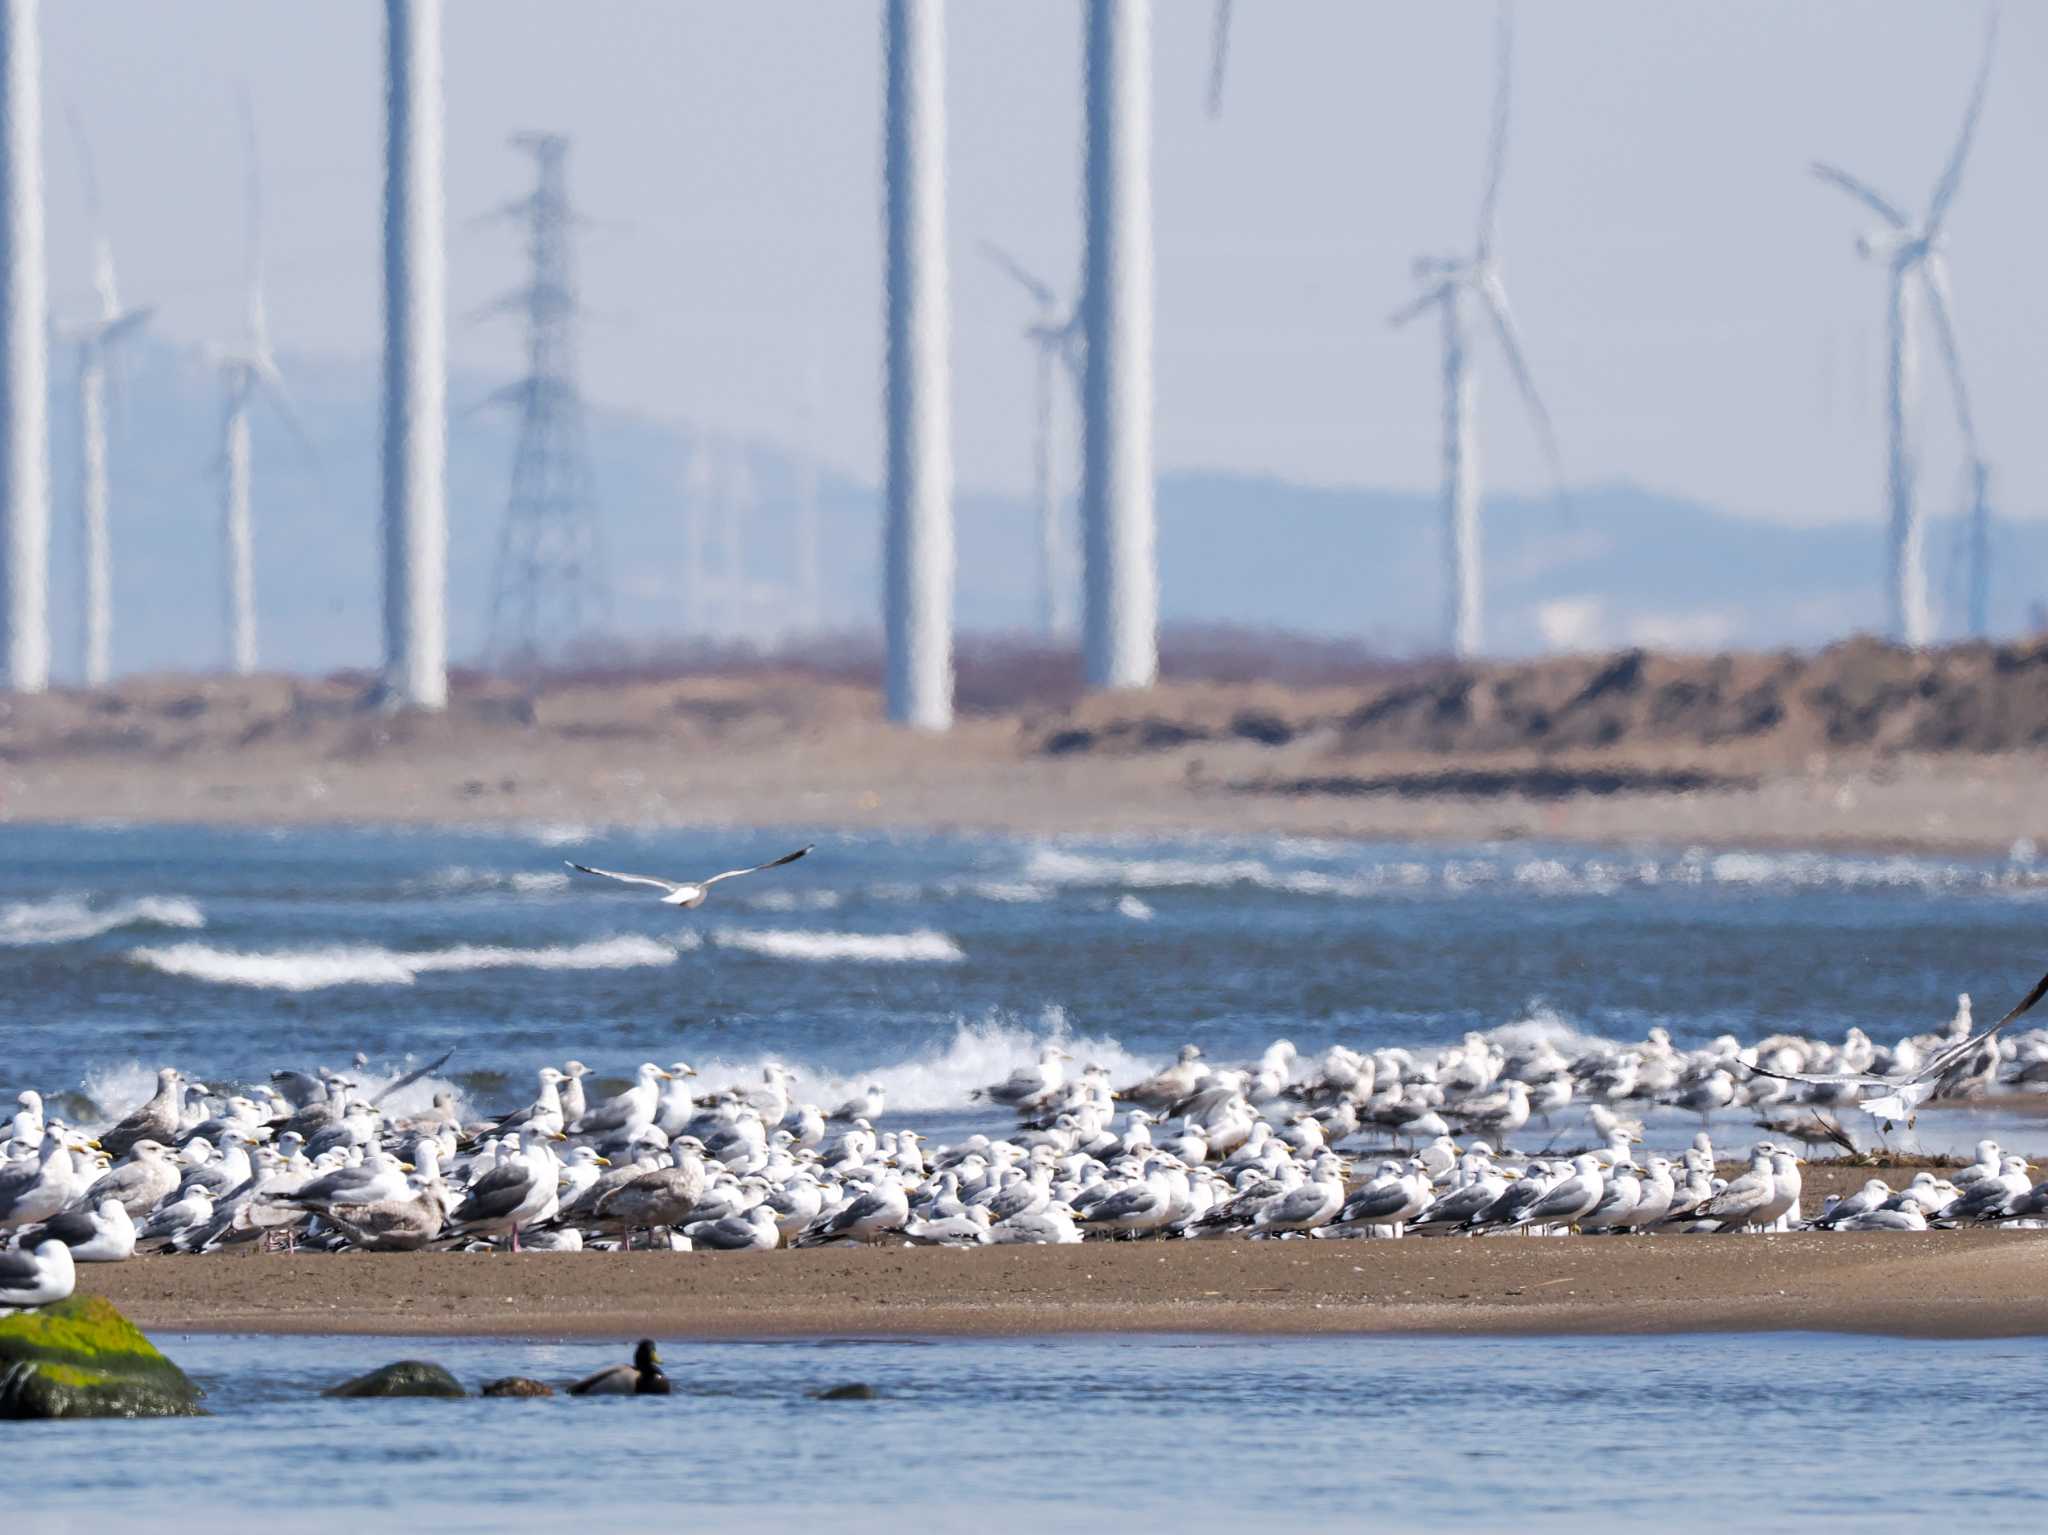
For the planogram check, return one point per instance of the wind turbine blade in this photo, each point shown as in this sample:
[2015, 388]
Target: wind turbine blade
[121, 327]
[1219, 56]
[1497, 150]
[1511, 343]
[1862, 191]
[1952, 173]
[1002, 258]
[102, 250]
[252, 214]
[1935, 273]
[1415, 307]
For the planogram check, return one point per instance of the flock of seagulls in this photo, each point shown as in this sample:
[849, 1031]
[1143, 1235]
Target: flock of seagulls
[1349, 1144]
[1390, 1142]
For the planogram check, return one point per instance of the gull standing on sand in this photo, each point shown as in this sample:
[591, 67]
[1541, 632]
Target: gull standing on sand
[688, 894]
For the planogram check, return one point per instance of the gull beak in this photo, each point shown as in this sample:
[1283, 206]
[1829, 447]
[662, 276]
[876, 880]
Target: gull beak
[558, 1136]
[666, 1076]
[691, 1072]
[604, 1161]
[96, 1146]
[407, 1167]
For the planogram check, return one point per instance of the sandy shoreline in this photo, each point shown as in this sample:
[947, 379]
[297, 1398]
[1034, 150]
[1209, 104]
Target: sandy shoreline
[1938, 1285]
[1195, 759]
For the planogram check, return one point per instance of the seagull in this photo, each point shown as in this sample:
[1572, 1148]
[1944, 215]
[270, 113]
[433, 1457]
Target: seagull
[1901, 1095]
[102, 1234]
[685, 893]
[36, 1278]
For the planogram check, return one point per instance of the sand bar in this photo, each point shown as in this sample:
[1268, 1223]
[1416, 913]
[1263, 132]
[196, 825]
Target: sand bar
[1938, 1284]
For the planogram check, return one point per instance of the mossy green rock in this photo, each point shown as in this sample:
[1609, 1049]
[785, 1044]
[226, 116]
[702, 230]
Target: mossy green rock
[81, 1358]
[408, 1377]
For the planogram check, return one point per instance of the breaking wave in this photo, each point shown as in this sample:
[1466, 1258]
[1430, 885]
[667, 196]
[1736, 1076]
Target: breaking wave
[72, 918]
[460, 879]
[368, 965]
[925, 946]
[977, 1055]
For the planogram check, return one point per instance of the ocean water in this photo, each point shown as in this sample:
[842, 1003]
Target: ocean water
[1760, 1432]
[933, 964]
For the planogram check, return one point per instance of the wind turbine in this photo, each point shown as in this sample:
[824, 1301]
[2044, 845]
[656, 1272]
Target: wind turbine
[917, 602]
[1453, 285]
[243, 371]
[97, 340]
[1056, 342]
[1915, 264]
[1120, 610]
[415, 427]
[24, 358]
[1219, 54]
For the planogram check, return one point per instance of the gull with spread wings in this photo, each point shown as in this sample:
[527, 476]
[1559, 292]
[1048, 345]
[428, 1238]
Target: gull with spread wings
[1900, 1095]
[685, 893]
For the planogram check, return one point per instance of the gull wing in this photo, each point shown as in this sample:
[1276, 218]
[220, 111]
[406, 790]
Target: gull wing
[668, 886]
[773, 863]
[1938, 1065]
[1943, 1061]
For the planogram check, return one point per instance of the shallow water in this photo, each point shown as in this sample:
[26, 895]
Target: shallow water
[1761, 1432]
[933, 964]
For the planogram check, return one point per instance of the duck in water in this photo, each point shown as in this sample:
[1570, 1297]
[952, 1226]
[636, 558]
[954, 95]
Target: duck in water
[643, 1377]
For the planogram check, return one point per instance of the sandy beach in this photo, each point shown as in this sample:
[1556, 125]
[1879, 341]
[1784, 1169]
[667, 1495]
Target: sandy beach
[1938, 1284]
[1861, 747]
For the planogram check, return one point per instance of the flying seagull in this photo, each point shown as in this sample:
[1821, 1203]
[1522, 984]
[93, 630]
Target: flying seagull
[1900, 1096]
[684, 893]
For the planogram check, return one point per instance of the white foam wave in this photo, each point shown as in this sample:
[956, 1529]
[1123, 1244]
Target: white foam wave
[977, 1055]
[461, 879]
[1054, 866]
[1545, 1025]
[1130, 906]
[72, 918]
[368, 965]
[792, 900]
[925, 946]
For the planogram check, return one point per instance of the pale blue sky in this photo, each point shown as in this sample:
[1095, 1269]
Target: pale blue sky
[1691, 299]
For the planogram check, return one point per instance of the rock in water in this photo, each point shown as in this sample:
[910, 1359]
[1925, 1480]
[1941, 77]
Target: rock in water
[517, 1385]
[80, 1358]
[853, 1391]
[408, 1377]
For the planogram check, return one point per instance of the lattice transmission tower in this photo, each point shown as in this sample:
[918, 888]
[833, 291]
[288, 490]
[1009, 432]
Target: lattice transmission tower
[551, 587]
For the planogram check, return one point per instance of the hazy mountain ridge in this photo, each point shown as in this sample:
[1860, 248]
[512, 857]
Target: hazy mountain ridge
[1618, 565]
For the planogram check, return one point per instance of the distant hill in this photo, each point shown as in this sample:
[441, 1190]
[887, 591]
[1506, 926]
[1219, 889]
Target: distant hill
[1621, 565]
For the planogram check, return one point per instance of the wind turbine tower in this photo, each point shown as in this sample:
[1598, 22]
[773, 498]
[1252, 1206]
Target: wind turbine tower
[1454, 285]
[1120, 617]
[24, 357]
[415, 362]
[1917, 269]
[97, 341]
[918, 553]
[242, 372]
[1056, 343]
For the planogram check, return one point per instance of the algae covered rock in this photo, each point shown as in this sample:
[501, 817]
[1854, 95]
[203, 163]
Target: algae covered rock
[408, 1377]
[517, 1385]
[852, 1391]
[81, 1358]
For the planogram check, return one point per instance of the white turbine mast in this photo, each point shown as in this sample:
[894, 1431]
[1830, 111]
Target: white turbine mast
[737, 506]
[1057, 345]
[1453, 285]
[24, 358]
[1120, 607]
[699, 499]
[1219, 57]
[810, 601]
[918, 552]
[415, 362]
[243, 370]
[98, 338]
[1912, 253]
